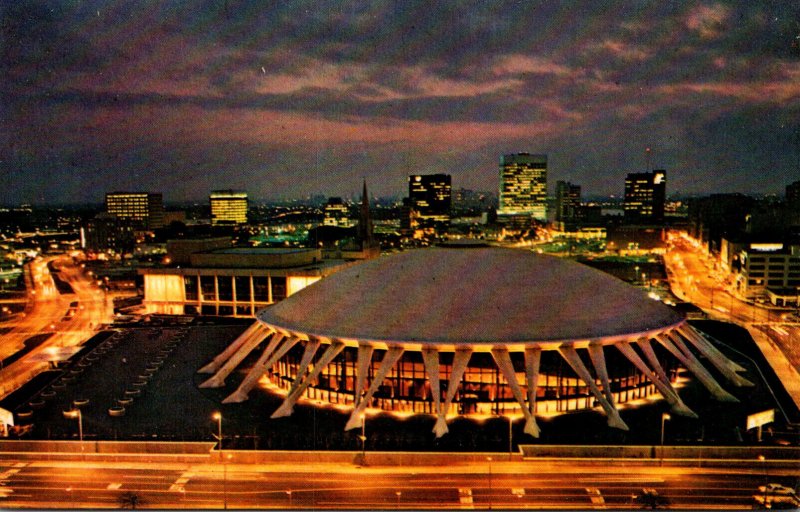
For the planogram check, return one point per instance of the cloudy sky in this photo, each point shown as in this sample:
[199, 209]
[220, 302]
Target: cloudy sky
[296, 97]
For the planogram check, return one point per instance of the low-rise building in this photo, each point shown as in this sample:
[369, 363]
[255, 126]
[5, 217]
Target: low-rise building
[233, 281]
[764, 266]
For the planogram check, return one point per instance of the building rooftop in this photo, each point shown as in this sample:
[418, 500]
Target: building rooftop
[456, 295]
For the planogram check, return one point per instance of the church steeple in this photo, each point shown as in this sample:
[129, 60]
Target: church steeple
[365, 220]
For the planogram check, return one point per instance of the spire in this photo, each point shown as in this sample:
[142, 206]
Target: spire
[365, 220]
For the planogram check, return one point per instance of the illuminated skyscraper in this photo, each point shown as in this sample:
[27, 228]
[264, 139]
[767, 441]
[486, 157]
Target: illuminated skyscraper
[645, 194]
[143, 208]
[568, 201]
[523, 185]
[430, 197]
[228, 207]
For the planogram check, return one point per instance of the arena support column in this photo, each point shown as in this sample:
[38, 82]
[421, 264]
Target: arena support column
[572, 358]
[255, 373]
[231, 349]
[665, 388]
[430, 356]
[599, 362]
[533, 358]
[287, 406]
[460, 361]
[309, 351]
[698, 370]
[390, 358]
[364, 359]
[503, 361]
[218, 379]
[725, 366]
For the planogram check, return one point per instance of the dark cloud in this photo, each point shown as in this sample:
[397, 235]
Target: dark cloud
[284, 97]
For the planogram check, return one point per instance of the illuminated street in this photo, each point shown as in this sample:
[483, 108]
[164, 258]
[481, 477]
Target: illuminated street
[49, 313]
[498, 483]
[693, 279]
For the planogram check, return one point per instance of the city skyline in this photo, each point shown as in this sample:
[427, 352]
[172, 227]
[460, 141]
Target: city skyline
[288, 100]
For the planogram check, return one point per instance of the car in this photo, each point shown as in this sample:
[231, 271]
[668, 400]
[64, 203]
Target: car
[776, 489]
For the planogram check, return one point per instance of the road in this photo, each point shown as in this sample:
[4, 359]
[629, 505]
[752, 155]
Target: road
[49, 313]
[550, 483]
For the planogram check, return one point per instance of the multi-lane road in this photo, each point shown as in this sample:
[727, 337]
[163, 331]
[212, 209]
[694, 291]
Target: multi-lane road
[549, 484]
[66, 319]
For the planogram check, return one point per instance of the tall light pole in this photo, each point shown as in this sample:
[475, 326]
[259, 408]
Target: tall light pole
[664, 418]
[218, 416]
[76, 414]
[766, 478]
[363, 438]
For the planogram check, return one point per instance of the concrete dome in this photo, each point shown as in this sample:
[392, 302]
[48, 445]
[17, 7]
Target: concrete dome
[469, 295]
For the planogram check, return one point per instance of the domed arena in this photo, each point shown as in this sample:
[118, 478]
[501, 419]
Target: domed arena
[472, 330]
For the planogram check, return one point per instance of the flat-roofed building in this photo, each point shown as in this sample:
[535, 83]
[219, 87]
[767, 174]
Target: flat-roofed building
[233, 281]
[768, 265]
[523, 185]
[645, 196]
[228, 207]
[143, 208]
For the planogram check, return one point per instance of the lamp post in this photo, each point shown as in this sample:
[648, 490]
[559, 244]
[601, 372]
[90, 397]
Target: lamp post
[76, 414]
[398, 494]
[218, 416]
[289, 494]
[664, 418]
[363, 438]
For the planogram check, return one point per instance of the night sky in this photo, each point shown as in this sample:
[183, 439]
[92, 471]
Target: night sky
[289, 98]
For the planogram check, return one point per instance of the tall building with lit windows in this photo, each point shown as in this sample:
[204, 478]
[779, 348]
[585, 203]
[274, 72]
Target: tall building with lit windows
[143, 208]
[228, 207]
[430, 198]
[523, 185]
[645, 195]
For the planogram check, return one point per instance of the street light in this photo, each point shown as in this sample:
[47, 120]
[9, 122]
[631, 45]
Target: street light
[664, 417]
[289, 493]
[76, 414]
[363, 438]
[398, 494]
[218, 416]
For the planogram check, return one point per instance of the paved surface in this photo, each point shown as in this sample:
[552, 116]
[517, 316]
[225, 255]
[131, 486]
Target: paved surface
[551, 484]
[693, 280]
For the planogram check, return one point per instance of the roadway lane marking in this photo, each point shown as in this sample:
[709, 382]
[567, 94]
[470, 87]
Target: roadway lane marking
[5, 475]
[620, 480]
[465, 497]
[598, 502]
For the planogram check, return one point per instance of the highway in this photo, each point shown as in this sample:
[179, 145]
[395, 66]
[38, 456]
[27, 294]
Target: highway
[49, 313]
[550, 484]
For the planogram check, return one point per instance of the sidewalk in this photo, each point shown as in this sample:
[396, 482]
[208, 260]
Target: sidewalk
[788, 375]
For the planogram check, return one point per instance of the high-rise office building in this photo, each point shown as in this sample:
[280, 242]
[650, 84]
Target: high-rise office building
[568, 201]
[145, 209]
[523, 185]
[430, 197]
[228, 207]
[645, 195]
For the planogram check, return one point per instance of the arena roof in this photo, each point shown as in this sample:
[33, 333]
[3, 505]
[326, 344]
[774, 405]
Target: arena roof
[469, 295]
